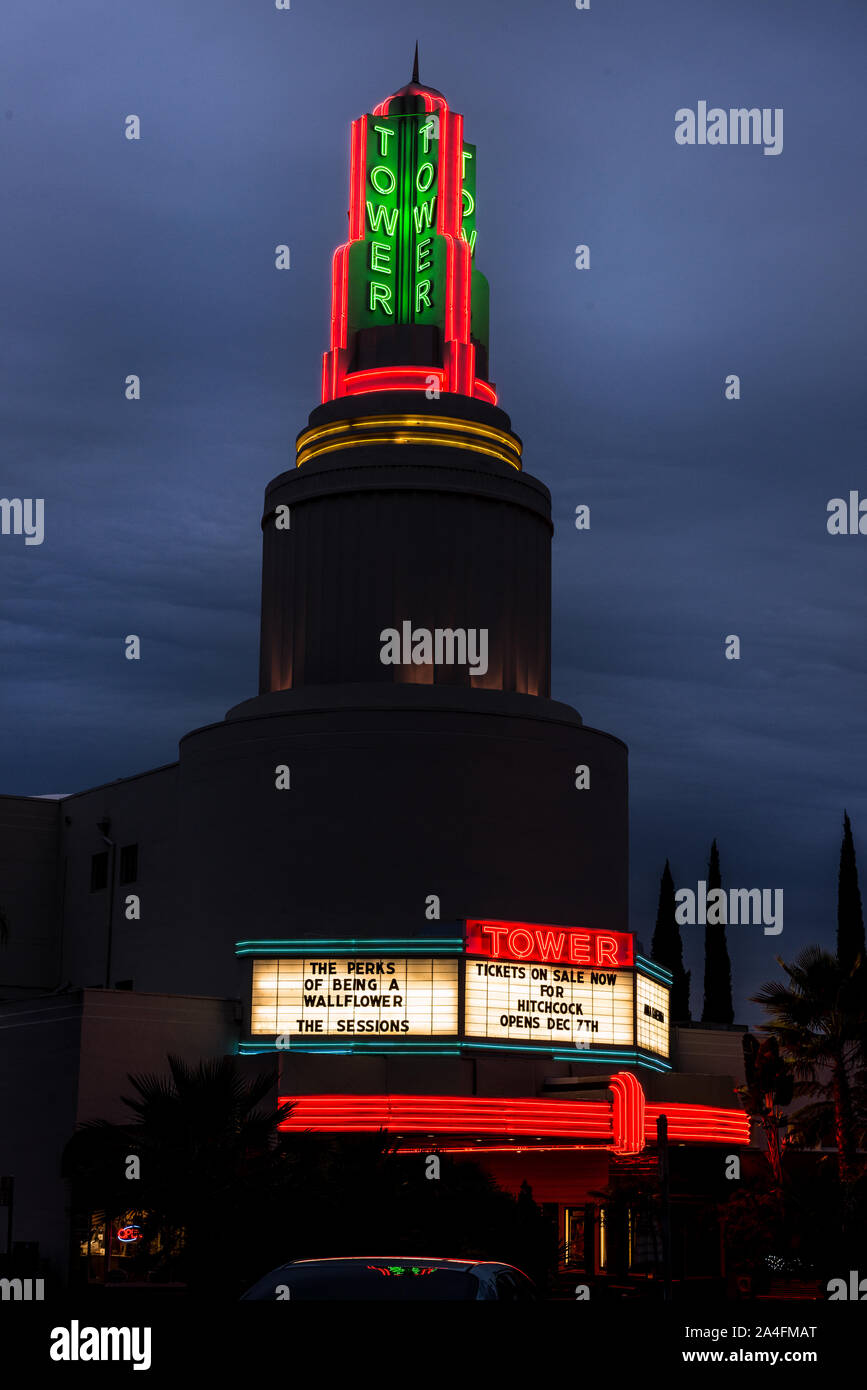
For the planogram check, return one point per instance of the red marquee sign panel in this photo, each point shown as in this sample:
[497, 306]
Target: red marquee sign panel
[533, 941]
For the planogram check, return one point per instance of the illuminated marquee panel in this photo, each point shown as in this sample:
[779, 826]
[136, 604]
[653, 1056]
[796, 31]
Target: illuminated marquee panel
[355, 996]
[651, 1015]
[548, 1002]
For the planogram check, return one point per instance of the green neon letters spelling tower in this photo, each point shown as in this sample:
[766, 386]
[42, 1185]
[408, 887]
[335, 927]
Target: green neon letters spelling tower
[408, 308]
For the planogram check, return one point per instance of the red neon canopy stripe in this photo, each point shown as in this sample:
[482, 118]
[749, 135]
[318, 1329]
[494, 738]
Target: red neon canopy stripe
[623, 1125]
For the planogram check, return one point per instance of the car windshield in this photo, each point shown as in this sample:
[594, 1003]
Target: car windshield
[366, 1279]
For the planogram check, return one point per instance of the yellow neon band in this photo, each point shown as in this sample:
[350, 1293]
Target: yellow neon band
[407, 439]
[439, 431]
[424, 421]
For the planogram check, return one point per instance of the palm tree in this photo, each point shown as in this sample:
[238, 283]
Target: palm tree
[769, 1088]
[208, 1159]
[819, 1021]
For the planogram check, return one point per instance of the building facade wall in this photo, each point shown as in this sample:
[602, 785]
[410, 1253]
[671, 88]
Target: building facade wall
[458, 557]
[30, 886]
[714, 1051]
[395, 796]
[126, 1032]
[40, 1041]
[141, 811]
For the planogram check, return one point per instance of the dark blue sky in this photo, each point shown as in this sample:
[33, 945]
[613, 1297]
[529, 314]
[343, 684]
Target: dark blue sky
[708, 517]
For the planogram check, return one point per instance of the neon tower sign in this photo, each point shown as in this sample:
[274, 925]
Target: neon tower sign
[409, 311]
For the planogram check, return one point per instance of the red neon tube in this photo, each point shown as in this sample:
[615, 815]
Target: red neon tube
[625, 1125]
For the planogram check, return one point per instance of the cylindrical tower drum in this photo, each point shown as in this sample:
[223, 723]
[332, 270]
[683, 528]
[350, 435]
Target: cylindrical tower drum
[409, 517]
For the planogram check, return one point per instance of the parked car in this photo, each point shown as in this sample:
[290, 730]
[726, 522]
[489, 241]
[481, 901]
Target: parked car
[398, 1278]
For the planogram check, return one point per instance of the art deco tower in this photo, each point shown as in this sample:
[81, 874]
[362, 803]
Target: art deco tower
[404, 877]
[408, 509]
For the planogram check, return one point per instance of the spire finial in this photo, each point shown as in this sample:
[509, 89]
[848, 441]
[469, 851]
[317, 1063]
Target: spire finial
[415, 64]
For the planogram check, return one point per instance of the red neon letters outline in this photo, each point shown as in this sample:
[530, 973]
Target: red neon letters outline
[535, 941]
[458, 373]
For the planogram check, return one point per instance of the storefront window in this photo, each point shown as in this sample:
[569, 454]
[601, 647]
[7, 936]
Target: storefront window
[645, 1242]
[121, 1254]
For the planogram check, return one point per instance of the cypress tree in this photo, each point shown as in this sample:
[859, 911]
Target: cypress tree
[717, 965]
[667, 948]
[850, 918]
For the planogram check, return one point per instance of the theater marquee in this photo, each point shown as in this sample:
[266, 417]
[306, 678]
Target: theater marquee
[356, 997]
[520, 983]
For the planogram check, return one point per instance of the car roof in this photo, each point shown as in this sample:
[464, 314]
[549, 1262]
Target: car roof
[438, 1260]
